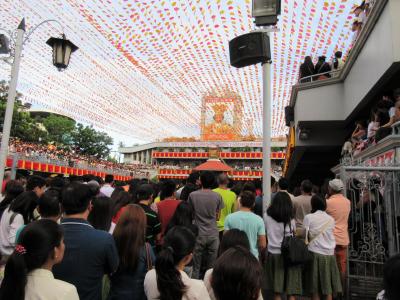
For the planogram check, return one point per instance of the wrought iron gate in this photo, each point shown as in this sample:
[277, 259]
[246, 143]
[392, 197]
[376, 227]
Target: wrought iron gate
[374, 226]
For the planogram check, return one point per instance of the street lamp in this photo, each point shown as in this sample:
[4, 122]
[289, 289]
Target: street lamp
[62, 51]
[266, 12]
[253, 48]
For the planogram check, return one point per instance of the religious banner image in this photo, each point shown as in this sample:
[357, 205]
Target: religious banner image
[218, 119]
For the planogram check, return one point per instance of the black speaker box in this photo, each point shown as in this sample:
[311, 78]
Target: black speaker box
[250, 49]
[289, 115]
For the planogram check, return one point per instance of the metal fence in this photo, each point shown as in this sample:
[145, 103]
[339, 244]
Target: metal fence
[374, 225]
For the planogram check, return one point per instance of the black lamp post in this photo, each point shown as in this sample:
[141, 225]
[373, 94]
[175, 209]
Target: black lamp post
[62, 50]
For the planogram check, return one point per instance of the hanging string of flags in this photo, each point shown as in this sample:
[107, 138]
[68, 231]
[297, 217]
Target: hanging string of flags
[144, 65]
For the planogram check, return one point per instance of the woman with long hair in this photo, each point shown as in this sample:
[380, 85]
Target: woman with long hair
[322, 274]
[18, 213]
[237, 274]
[13, 190]
[119, 202]
[279, 222]
[100, 216]
[306, 69]
[183, 216]
[168, 281]
[136, 257]
[28, 273]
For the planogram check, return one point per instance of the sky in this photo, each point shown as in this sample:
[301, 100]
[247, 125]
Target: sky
[144, 66]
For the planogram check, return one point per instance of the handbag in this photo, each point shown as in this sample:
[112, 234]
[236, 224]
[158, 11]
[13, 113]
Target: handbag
[149, 262]
[294, 250]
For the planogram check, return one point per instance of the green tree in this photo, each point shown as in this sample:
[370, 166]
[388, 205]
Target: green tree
[23, 126]
[59, 129]
[88, 141]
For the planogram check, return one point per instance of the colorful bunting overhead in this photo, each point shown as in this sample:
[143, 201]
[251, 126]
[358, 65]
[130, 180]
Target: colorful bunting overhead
[143, 66]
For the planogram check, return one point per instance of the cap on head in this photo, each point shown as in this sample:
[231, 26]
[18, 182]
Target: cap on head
[336, 185]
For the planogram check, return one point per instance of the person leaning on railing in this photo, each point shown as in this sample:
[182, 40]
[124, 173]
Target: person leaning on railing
[386, 129]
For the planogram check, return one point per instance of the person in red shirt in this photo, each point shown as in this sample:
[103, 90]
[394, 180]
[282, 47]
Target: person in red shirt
[7, 178]
[167, 206]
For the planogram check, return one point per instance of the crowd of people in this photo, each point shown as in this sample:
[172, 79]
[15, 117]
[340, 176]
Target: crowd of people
[323, 69]
[384, 114]
[78, 239]
[361, 14]
[69, 157]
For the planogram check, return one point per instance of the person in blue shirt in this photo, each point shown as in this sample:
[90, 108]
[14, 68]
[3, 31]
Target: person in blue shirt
[89, 253]
[249, 222]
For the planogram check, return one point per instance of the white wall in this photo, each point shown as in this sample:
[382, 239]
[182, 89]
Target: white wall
[338, 101]
[374, 60]
[323, 103]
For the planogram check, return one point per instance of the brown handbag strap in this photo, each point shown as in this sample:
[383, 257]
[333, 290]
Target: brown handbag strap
[148, 257]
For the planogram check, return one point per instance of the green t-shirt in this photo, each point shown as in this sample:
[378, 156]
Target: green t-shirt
[229, 199]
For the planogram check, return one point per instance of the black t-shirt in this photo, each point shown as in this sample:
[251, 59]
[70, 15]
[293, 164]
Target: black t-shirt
[153, 224]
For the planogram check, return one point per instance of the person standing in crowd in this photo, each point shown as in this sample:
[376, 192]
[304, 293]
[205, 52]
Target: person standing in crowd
[302, 205]
[48, 207]
[167, 207]
[100, 216]
[183, 216]
[12, 191]
[231, 238]
[386, 129]
[237, 275]
[18, 214]
[322, 274]
[89, 253]
[107, 189]
[391, 279]
[283, 186]
[206, 206]
[136, 256]
[338, 207]
[119, 202]
[144, 196]
[258, 207]
[6, 179]
[192, 184]
[280, 222]
[249, 222]
[322, 67]
[28, 273]
[306, 69]
[229, 199]
[337, 63]
[37, 185]
[168, 281]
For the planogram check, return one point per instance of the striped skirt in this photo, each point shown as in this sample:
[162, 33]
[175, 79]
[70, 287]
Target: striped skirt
[279, 280]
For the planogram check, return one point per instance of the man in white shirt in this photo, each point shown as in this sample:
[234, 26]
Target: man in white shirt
[107, 189]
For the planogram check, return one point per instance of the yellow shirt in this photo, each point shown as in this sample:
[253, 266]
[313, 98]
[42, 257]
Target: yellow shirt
[229, 199]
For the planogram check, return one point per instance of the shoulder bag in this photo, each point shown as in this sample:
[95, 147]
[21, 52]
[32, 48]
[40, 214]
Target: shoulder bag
[294, 251]
[324, 229]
